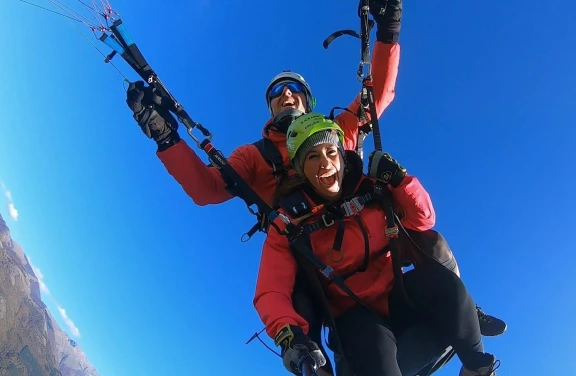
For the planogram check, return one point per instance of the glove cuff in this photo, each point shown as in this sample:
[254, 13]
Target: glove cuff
[389, 33]
[389, 22]
[398, 177]
[286, 334]
[166, 142]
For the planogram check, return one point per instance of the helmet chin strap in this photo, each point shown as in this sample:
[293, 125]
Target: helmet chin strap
[282, 121]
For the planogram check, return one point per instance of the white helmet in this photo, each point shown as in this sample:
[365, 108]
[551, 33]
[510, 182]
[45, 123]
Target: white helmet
[288, 76]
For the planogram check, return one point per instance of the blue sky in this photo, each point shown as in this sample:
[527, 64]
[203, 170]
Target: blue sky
[484, 116]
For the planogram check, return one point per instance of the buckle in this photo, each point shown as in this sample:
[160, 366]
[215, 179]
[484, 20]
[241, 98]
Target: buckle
[352, 207]
[326, 223]
[392, 231]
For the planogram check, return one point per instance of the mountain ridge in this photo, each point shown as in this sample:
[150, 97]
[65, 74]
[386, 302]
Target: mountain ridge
[31, 341]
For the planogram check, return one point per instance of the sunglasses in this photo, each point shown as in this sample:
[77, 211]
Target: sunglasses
[278, 89]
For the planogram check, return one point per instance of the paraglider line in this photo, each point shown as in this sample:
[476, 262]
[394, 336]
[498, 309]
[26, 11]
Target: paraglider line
[257, 335]
[79, 16]
[101, 53]
[53, 11]
[268, 347]
[57, 4]
[94, 12]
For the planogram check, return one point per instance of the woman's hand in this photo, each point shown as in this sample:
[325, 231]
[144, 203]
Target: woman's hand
[295, 344]
[381, 166]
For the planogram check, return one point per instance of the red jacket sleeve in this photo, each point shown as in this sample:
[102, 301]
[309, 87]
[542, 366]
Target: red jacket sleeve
[276, 277]
[204, 184]
[415, 203]
[385, 61]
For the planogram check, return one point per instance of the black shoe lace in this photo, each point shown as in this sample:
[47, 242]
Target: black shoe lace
[481, 315]
[494, 367]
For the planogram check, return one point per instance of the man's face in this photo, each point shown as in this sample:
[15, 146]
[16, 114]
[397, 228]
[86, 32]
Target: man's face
[287, 95]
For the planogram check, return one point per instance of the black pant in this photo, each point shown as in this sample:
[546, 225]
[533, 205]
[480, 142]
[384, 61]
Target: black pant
[417, 346]
[418, 349]
[309, 308]
[442, 304]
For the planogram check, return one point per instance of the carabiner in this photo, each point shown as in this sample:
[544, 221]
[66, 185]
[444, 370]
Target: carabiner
[204, 131]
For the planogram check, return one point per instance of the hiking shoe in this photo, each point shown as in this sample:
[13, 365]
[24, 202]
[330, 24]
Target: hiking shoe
[490, 326]
[488, 370]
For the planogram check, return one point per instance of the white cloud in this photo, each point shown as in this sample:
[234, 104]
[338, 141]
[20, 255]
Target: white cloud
[14, 214]
[13, 211]
[69, 323]
[11, 208]
[40, 277]
[73, 329]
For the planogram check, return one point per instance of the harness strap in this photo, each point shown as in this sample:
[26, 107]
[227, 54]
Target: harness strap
[362, 134]
[331, 214]
[392, 232]
[352, 207]
[373, 258]
[336, 253]
[366, 244]
[273, 157]
[316, 286]
[300, 241]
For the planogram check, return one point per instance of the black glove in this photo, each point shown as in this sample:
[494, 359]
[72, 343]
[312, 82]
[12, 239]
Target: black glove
[383, 167]
[154, 119]
[295, 344]
[387, 15]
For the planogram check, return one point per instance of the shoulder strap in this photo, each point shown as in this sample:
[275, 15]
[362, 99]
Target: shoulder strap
[271, 155]
[363, 130]
[366, 186]
[295, 203]
[274, 159]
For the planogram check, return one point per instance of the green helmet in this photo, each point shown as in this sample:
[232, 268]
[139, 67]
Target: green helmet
[306, 132]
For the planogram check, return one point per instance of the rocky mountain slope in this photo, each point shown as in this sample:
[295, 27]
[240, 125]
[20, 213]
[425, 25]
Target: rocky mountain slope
[31, 342]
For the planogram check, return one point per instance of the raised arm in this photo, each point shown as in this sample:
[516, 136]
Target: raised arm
[204, 184]
[385, 61]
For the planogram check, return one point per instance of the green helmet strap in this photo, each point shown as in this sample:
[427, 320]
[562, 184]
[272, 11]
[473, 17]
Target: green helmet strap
[312, 103]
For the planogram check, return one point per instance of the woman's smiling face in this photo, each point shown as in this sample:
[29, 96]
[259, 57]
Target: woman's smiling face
[323, 168]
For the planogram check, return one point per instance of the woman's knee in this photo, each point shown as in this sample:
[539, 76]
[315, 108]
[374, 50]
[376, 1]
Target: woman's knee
[432, 284]
[450, 262]
[434, 245]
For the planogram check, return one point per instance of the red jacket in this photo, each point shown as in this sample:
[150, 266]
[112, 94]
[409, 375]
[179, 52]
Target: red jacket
[278, 268]
[205, 184]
